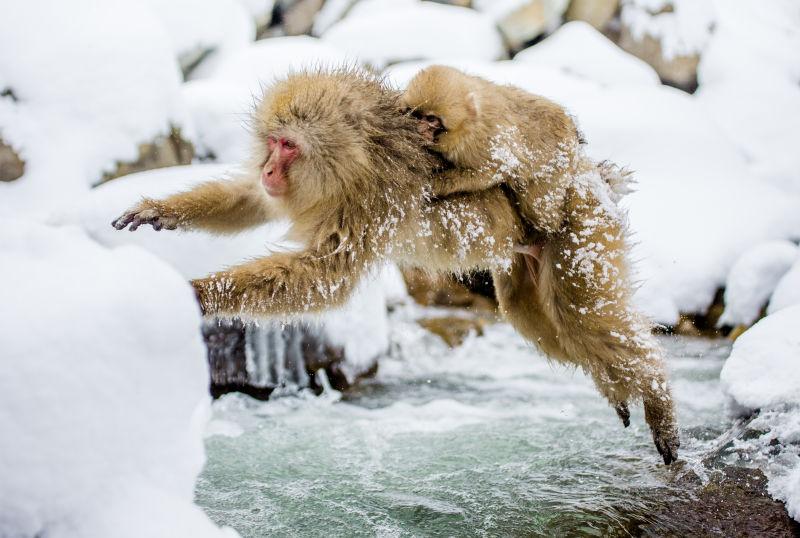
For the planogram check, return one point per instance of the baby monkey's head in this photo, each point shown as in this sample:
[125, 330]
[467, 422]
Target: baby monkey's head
[445, 101]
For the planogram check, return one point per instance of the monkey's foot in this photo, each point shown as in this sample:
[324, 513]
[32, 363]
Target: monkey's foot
[623, 413]
[667, 443]
[151, 216]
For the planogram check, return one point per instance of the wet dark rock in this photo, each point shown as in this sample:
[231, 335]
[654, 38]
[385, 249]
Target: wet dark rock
[706, 324]
[257, 359]
[734, 502]
[11, 165]
[169, 150]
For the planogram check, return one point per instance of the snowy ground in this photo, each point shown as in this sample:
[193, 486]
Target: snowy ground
[718, 204]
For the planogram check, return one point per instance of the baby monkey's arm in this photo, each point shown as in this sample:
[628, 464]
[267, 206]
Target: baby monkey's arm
[454, 180]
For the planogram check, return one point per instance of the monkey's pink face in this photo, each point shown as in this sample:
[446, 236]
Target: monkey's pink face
[281, 153]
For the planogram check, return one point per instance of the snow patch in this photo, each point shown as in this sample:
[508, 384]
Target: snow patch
[415, 30]
[104, 394]
[753, 278]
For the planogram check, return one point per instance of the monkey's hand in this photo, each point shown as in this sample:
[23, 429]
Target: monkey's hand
[146, 212]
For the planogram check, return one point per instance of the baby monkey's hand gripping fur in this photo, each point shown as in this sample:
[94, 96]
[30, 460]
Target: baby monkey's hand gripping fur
[569, 289]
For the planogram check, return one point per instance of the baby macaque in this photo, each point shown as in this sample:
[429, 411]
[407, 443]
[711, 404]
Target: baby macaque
[332, 153]
[497, 135]
[568, 290]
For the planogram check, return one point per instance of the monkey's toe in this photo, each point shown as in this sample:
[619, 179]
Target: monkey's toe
[623, 413]
[667, 444]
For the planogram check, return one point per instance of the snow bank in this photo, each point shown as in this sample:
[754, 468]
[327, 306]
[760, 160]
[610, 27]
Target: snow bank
[263, 62]
[764, 367]
[753, 278]
[89, 92]
[749, 75]
[787, 292]
[196, 26]
[104, 392]
[682, 30]
[260, 10]
[752, 42]
[763, 373]
[415, 30]
[578, 49]
[219, 112]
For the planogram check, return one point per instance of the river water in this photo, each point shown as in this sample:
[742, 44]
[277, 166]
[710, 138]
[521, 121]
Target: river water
[486, 439]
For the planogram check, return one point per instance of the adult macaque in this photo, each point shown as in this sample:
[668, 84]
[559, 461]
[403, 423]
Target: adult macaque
[335, 156]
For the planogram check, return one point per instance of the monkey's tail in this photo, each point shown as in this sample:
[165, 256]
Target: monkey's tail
[619, 179]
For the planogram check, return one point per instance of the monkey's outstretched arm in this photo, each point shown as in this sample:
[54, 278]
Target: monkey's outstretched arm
[285, 283]
[225, 206]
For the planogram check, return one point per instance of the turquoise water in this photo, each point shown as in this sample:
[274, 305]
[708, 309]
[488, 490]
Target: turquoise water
[488, 439]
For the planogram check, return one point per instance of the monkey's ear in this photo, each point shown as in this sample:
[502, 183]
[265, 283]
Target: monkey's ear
[473, 104]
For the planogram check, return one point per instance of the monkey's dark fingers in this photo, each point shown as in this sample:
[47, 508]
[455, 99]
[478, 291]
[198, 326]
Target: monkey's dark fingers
[135, 223]
[623, 413]
[121, 222]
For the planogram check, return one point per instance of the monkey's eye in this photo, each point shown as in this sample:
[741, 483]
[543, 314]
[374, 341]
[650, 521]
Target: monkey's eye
[271, 140]
[289, 144]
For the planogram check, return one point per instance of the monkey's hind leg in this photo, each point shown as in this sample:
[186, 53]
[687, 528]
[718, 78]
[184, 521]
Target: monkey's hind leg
[585, 292]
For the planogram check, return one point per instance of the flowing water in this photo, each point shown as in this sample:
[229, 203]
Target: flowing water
[487, 439]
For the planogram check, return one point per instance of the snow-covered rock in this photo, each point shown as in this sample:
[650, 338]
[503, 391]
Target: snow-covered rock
[682, 27]
[753, 278]
[787, 292]
[763, 373]
[578, 49]
[521, 21]
[89, 90]
[198, 26]
[749, 75]
[104, 392]
[763, 369]
[765, 128]
[752, 41]
[260, 10]
[332, 12]
[598, 13]
[265, 61]
[219, 112]
[415, 30]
